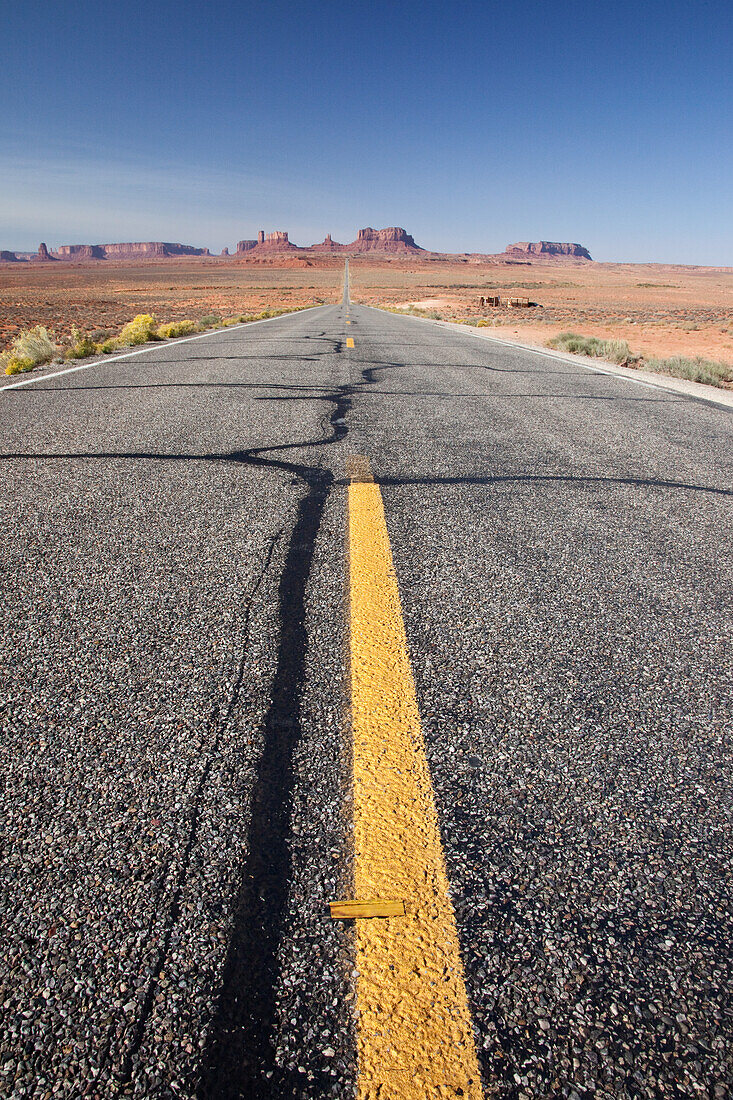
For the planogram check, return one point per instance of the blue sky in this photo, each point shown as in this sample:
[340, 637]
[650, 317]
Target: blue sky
[471, 125]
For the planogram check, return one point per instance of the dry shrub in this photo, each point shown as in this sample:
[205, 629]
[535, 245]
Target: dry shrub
[29, 349]
[616, 351]
[139, 330]
[710, 371]
[82, 345]
[177, 328]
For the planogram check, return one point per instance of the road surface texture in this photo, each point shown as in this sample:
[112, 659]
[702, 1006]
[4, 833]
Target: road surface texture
[176, 802]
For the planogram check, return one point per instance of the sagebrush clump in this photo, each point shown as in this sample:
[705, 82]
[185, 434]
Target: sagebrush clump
[697, 369]
[616, 351]
[82, 345]
[176, 328]
[710, 371]
[139, 330]
[29, 349]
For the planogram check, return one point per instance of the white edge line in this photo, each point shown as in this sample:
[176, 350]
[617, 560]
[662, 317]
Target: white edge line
[721, 401]
[154, 347]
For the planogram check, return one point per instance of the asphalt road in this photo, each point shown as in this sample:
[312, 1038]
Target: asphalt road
[175, 761]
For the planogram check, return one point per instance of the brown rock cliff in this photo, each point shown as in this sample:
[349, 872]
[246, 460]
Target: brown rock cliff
[328, 245]
[548, 248]
[392, 239]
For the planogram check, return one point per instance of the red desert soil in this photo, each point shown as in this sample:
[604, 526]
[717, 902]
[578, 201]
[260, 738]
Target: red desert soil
[103, 296]
[659, 309]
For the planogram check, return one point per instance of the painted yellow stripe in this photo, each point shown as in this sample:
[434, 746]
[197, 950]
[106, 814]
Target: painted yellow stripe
[350, 342]
[370, 907]
[415, 1038]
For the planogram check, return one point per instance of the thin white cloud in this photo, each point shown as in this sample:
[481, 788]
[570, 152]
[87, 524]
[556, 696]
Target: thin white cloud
[82, 200]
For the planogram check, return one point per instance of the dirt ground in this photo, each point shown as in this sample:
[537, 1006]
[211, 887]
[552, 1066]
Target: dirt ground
[659, 309]
[103, 296]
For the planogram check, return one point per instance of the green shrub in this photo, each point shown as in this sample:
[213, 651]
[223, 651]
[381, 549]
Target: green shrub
[14, 364]
[209, 320]
[108, 346]
[617, 351]
[139, 330]
[697, 369]
[710, 371]
[176, 328]
[29, 349]
[82, 345]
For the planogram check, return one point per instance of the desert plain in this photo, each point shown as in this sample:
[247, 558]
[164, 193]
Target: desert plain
[659, 309]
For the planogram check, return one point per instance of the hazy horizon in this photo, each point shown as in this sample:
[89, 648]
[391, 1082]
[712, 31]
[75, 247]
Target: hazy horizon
[471, 127]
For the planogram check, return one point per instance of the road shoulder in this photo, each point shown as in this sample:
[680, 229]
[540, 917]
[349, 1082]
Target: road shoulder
[696, 390]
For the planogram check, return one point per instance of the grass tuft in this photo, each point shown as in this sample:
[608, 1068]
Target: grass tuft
[709, 371]
[616, 351]
[82, 345]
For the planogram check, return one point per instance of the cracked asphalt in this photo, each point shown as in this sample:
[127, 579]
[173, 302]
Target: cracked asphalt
[175, 750]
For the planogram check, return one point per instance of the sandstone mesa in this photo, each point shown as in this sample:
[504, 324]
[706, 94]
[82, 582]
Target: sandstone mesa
[548, 248]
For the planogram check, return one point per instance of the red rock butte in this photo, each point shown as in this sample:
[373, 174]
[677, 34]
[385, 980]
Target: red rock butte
[392, 239]
[276, 241]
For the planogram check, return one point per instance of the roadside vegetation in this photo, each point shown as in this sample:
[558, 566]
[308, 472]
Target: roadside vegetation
[616, 351]
[709, 371]
[415, 311]
[176, 328]
[34, 347]
[29, 349]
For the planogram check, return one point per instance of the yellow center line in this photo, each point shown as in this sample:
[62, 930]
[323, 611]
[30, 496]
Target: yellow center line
[415, 1037]
[349, 341]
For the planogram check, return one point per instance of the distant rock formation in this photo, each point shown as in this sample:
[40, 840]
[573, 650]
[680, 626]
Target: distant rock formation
[548, 248]
[80, 252]
[144, 249]
[328, 245]
[131, 250]
[277, 241]
[9, 257]
[392, 239]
